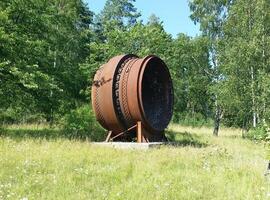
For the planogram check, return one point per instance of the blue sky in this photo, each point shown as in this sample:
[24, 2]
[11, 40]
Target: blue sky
[173, 13]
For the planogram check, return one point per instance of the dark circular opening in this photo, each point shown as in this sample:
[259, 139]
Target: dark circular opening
[157, 94]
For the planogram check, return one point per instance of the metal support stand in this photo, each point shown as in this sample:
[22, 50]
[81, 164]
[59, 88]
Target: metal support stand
[108, 136]
[139, 133]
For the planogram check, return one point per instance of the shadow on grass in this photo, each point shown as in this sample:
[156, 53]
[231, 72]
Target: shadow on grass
[47, 134]
[20, 134]
[185, 139]
[174, 138]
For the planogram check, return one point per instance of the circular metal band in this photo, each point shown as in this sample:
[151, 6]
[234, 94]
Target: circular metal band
[116, 84]
[125, 75]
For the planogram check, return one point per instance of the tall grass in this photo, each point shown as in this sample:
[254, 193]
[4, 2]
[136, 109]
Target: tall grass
[201, 167]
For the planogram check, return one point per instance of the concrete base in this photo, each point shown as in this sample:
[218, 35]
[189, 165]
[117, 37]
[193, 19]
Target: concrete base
[129, 145]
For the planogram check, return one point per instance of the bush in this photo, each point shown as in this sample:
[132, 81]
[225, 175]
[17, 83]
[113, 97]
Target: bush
[81, 124]
[259, 133]
[19, 115]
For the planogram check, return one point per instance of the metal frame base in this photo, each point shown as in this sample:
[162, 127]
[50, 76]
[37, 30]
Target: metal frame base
[140, 138]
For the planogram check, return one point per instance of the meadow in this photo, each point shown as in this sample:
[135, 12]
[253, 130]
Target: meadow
[37, 164]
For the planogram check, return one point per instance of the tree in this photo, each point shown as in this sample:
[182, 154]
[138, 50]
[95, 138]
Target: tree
[122, 12]
[116, 14]
[244, 60]
[43, 44]
[211, 16]
[239, 35]
[191, 77]
[153, 20]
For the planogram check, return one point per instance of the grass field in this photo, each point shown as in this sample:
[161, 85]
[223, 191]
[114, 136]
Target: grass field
[34, 165]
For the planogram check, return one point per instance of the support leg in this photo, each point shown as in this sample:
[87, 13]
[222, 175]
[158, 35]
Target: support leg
[108, 136]
[139, 132]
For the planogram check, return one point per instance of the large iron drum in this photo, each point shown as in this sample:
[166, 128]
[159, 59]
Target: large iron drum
[128, 89]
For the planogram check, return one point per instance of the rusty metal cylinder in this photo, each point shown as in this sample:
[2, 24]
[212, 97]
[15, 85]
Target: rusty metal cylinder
[128, 89]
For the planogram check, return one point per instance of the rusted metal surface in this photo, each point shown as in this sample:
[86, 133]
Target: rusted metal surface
[127, 90]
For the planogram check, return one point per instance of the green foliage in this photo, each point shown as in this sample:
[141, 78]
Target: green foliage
[194, 120]
[243, 59]
[19, 115]
[238, 32]
[119, 12]
[261, 132]
[190, 73]
[41, 46]
[81, 124]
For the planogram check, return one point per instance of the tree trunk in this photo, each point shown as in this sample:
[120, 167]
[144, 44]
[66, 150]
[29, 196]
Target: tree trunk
[244, 129]
[254, 113]
[218, 116]
[217, 121]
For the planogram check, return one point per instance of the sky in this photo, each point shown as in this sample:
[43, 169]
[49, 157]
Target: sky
[173, 13]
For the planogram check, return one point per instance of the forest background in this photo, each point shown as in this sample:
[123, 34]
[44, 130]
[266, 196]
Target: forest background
[50, 50]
